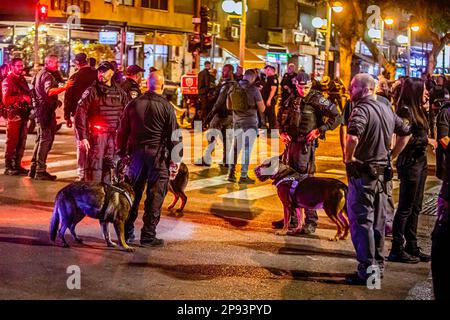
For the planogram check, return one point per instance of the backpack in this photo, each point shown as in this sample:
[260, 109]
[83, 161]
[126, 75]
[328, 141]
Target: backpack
[238, 96]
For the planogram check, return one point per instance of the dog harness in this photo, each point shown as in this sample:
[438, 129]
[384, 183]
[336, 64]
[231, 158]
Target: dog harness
[109, 189]
[294, 184]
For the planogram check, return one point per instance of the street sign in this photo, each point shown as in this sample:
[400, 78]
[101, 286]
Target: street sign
[189, 84]
[106, 37]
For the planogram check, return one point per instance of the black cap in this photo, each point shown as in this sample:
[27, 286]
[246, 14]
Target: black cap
[302, 79]
[104, 66]
[81, 58]
[134, 69]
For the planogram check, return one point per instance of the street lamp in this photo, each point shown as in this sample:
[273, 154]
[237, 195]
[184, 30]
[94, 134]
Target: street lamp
[337, 7]
[411, 27]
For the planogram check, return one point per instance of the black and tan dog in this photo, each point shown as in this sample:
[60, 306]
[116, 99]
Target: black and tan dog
[108, 203]
[177, 185]
[302, 192]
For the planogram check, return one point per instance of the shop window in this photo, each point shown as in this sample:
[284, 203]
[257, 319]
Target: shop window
[155, 4]
[184, 6]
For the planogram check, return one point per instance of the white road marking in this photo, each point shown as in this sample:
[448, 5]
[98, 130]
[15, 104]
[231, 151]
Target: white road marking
[252, 193]
[205, 183]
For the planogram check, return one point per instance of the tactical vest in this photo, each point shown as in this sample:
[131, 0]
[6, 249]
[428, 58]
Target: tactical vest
[301, 117]
[108, 110]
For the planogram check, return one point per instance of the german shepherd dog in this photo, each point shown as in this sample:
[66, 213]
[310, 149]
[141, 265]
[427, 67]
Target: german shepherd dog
[310, 193]
[108, 203]
[177, 185]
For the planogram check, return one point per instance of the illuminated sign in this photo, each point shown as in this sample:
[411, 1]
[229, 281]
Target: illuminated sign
[278, 57]
[130, 39]
[107, 37]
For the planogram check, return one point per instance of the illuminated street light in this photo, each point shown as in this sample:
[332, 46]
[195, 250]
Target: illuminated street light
[389, 21]
[337, 7]
[415, 28]
[317, 22]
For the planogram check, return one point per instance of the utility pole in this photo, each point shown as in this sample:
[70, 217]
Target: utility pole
[327, 40]
[36, 37]
[196, 21]
[243, 34]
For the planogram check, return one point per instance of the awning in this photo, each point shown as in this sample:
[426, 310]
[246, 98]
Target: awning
[167, 39]
[232, 47]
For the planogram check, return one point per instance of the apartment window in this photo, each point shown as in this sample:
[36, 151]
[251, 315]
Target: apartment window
[184, 6]
[123, 2]
[155, 4]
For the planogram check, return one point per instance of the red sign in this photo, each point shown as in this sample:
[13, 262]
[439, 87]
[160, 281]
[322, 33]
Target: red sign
[189, 84]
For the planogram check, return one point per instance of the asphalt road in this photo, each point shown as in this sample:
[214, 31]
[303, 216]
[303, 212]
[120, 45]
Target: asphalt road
[222, 247]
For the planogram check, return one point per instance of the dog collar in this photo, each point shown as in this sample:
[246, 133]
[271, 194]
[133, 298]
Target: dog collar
[284, 180]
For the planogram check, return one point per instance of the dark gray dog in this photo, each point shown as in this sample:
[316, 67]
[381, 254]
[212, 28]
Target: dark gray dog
[105, 202]
[300, 192]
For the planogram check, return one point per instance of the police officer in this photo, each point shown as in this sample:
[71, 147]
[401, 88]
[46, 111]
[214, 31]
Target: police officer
[270, 95]
[368, 141]
[145, 134]
[203, 86]
[220, 118]
[97, 119]
[440, 247]
[16, 98]
[46, 89]
[301, 123]
[131, 85]
[287, 83]
[82, 79]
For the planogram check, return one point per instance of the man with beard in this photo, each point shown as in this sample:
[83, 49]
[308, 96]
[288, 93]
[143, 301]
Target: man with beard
[97, 119]
[17, 101]
[368, 164]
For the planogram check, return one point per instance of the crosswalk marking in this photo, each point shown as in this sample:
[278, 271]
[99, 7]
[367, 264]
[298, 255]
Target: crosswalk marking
[328, 158]
[205, 183]
[2, 141]
[66, 174]
[251, 194]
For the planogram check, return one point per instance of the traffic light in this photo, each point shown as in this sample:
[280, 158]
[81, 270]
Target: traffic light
[42, 12]
[205, 36]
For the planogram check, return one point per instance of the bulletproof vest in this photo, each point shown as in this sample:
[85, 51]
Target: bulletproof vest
[308, 119]
[109, 107]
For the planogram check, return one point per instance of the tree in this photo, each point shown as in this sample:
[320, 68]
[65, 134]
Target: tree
[434, 19]
[98, 51]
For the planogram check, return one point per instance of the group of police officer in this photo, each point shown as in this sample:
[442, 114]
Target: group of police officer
[111, 118]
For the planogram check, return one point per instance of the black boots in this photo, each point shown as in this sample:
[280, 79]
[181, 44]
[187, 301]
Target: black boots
[417, 253]
[398, 254]
[44, 176]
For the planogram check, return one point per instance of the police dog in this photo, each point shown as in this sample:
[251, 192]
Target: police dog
[177, 185]
[310, 193]
[108, 203]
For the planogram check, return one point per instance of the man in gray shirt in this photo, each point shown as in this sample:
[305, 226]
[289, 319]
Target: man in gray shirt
[367, 159]
[245, 126]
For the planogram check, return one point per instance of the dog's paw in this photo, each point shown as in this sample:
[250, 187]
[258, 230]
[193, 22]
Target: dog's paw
[66, 245]
[129, 249]
[79, 240]
[179, 211]
[170, 208]
[343, 237]
[335, 238]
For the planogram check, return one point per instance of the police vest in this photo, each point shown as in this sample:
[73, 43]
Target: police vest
[301, 116]
[108, 109]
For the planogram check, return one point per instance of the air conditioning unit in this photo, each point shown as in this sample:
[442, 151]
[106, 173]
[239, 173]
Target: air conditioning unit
[235, 32]
[216, 29]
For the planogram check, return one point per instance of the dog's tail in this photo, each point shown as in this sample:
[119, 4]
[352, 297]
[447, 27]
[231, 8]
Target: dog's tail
[54, 222]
